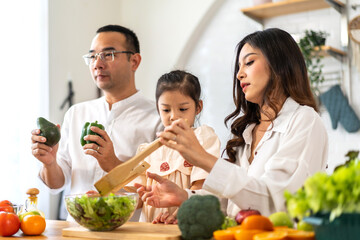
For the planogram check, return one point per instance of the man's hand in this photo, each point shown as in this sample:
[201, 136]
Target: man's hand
[44, 153]
[164, 193]
[103, 151]
[51, 174]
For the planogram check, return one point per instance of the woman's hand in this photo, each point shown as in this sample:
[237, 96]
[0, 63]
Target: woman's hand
[181, 137]
[163, 194]
[102, 150]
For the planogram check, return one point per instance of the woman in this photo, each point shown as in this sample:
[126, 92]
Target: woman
[278, 137]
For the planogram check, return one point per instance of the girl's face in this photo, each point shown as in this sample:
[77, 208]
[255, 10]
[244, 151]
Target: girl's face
[254, 73]
[173, 105]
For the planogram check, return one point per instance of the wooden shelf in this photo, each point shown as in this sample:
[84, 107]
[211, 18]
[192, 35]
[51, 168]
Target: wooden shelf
[331, 51]
[268, 10]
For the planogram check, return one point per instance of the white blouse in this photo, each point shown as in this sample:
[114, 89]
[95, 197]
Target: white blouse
[292, 149]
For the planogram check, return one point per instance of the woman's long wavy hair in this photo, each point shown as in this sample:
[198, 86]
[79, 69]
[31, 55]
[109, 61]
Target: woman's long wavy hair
[288, 76]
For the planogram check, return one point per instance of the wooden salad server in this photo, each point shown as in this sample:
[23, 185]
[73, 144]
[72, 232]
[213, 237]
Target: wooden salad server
[121, 175]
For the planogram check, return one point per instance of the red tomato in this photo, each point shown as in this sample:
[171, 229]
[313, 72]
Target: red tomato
[9, 224]
[6, 206]
[5, 202]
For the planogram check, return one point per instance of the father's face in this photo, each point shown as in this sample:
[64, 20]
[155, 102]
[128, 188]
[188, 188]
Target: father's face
[111, 75]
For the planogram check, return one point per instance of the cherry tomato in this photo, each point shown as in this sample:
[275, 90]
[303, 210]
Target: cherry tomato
[9, 224]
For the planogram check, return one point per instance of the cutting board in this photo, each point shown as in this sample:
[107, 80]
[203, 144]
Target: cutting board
[129, 231]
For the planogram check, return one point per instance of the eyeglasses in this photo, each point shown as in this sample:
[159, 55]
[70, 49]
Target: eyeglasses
[107, 56]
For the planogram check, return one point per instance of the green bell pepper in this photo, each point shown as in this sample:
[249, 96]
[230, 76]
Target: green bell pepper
[87, 131]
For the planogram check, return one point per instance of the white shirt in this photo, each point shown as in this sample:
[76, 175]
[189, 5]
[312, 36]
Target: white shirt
[292, 149]
[129, 123]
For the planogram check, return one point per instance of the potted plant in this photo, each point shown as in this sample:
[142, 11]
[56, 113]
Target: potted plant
[310, 46]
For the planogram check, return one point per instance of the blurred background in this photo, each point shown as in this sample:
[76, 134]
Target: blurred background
[43, 41]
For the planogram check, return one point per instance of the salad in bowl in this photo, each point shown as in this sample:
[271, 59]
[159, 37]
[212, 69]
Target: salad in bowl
[101, 213]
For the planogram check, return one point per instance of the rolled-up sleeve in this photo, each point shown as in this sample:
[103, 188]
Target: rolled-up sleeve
[283, 162]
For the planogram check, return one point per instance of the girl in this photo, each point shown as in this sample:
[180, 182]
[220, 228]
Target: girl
[177, 97]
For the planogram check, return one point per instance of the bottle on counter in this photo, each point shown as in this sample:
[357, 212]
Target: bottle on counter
[30, 207]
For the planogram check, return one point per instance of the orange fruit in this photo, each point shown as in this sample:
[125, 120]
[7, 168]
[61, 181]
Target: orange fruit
[285, 229]
[223, 235]
[257, 222]
[275, 235]
[244, 234]
[301, 235]
[33, 225]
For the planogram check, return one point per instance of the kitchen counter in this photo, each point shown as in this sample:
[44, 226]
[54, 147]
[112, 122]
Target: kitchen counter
[53, 231]
[130, 230]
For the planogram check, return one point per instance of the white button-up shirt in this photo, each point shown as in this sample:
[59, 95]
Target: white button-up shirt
[129, 123]
[292, 149]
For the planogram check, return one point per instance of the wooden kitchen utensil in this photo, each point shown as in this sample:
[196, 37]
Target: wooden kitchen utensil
[118, 177]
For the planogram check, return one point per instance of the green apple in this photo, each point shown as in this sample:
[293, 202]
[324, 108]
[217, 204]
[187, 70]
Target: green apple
[281, 219]
[304, 226]
[28, 213]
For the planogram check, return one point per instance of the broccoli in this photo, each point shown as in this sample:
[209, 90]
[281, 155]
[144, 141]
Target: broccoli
[199, 216]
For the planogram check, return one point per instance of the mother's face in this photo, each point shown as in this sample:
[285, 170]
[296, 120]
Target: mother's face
[253, 74]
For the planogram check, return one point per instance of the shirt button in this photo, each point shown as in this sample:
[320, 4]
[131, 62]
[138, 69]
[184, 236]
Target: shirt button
[255, 153]
[193, 192]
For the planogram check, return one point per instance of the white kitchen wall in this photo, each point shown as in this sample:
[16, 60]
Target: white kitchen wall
[72, 25]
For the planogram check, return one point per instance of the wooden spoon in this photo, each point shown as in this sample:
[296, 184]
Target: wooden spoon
[118, 177]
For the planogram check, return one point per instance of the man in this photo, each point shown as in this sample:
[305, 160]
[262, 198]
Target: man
[129, 119]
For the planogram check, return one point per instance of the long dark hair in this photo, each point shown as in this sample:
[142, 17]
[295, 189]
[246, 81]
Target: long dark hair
[288, 75]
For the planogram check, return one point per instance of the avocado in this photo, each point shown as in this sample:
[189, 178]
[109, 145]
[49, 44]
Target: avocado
[48, 130]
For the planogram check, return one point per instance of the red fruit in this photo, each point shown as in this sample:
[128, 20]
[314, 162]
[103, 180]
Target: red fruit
[6, 206]
[9, 224]
[244, 213]
[5, 203]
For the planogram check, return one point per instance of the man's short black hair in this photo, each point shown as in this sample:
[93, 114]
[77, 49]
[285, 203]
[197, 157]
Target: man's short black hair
[132, 41]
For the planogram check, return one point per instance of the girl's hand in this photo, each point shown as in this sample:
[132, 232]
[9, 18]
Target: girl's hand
[163, 194]
[166, 218]
[181, 137]
[102, 150]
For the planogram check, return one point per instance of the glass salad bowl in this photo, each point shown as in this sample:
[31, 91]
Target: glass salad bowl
[102, 213]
